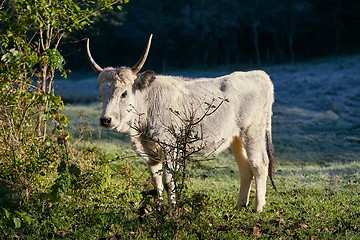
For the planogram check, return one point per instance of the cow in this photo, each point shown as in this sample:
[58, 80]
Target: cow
[142, 104]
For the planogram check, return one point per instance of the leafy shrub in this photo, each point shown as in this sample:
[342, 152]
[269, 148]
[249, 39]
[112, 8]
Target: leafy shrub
[169, 221]
[33, 136]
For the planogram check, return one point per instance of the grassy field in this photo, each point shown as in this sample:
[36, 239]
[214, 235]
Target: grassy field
[317, 141]
[316, 198]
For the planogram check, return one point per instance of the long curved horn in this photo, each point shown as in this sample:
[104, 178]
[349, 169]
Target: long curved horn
[93, 64]
[137, 67]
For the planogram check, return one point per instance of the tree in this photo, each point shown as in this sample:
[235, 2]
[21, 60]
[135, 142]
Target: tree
[30, 34]
[36, 28]
[255, 16]
[286, 18]
[210, 33]
[202, 23]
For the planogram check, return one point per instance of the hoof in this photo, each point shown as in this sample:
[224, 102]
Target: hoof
[240, 206]
[258, 209]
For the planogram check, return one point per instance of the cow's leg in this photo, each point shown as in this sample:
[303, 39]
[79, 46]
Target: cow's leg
[157, 173]
[169, 182]
[259, 162]
[261, 174]
[245, 171]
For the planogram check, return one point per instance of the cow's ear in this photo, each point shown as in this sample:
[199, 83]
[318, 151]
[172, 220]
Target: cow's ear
[144, 79]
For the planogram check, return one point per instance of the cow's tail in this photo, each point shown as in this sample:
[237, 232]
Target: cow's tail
[269, 144]
[270, 153]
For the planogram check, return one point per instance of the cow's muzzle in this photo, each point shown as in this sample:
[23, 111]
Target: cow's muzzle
[105, 121]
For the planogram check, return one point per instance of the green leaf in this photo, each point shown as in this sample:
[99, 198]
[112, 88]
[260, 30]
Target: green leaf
[27, 219]
[63, 119]
[7, 213]
[17, 222]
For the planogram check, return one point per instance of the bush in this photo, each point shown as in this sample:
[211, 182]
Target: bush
[188, 214]
[34, 142]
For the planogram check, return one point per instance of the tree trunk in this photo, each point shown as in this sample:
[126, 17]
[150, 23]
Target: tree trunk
[291, 47]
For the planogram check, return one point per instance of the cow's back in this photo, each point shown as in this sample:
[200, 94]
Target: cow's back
[241, 97]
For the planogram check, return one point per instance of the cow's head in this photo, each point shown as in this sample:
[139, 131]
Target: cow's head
[117, 90]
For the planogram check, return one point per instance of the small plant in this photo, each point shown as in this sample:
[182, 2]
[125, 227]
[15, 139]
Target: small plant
[181, 150]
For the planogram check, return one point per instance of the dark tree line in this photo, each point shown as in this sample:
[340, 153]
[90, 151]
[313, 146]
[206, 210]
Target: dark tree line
[208, 33]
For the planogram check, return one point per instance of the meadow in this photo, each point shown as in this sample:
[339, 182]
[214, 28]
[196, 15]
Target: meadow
[109, 193]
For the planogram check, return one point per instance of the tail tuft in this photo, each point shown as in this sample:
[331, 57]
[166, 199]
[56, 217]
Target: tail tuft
[270, 153]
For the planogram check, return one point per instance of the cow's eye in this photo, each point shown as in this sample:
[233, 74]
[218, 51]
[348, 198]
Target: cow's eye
[124, 94]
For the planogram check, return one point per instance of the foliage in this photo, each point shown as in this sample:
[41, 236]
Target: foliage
[210, 33]
[31, 53]
[30, 34]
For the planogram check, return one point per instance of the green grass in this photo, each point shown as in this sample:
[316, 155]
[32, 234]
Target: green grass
[315, 200]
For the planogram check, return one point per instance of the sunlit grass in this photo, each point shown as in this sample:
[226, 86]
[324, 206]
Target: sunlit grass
[315, 199]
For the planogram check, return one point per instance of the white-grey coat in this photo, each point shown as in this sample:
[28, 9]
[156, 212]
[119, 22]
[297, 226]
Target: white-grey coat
[144, 105]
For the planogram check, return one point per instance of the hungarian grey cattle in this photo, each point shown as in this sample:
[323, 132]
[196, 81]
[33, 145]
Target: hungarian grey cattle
[143, 104]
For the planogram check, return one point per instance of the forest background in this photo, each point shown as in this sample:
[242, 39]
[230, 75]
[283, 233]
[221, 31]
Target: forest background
[209, 33]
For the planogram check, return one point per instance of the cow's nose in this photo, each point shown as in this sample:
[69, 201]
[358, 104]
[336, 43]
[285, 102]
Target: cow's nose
[105, 121]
